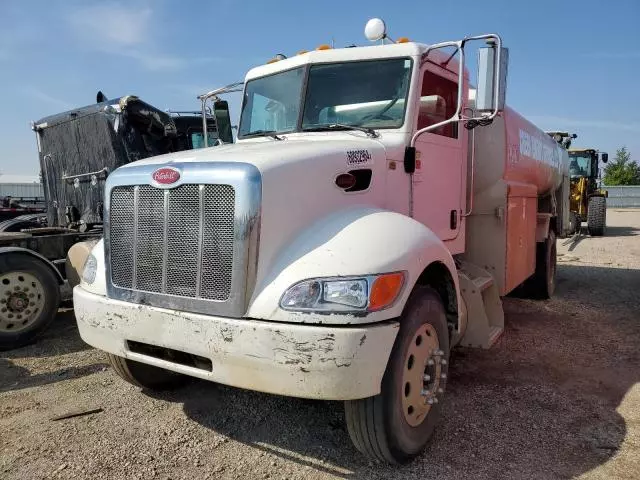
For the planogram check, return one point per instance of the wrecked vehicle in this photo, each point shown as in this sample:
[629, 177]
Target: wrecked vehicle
[78, 149]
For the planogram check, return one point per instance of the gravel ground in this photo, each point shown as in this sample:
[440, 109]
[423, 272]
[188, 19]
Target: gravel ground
[558, 397]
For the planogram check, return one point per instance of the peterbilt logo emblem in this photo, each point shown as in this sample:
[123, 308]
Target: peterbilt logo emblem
[166, 175]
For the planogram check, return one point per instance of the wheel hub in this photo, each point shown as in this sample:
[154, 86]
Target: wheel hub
[21, 300]
[424, 375]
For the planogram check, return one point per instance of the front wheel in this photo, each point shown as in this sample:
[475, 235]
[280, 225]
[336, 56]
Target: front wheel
[597, 216]
[395, 425]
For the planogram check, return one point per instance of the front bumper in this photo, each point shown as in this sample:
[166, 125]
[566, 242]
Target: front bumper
[298, 360]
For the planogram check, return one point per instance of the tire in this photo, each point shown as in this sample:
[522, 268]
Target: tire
[597, 216]
[381, 427]
[29, 296]
[542, 284]
[574, 223]
[17, 224]
[145, 376]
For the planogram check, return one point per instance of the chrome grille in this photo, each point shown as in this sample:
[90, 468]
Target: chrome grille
[176, 241]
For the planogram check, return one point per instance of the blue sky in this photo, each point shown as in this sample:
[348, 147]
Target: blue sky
[574, 65]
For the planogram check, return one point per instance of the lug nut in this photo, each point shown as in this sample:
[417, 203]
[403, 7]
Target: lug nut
[443, 376]
[424, 393]
[438, 353]
[426, 378]
[430, 401]
[435, 399]
[440, 390]
[430, 361]
[443, 362]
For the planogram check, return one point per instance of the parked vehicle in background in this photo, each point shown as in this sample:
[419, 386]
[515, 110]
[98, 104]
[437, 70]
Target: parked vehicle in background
[588, 201]
[78, 149]
[372, 213]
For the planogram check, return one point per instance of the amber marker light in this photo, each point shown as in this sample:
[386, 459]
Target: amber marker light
[385, 290]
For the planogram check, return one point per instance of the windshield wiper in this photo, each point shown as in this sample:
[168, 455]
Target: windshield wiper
[264, 133]
[341, 126]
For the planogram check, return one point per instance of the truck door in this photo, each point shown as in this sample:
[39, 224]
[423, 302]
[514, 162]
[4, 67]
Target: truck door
[440, 175]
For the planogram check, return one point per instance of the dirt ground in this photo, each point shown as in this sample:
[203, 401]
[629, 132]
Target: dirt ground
[558, 397]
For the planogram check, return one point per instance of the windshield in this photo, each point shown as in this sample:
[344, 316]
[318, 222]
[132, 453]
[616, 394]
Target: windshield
[272, 104]
[369, 94]
[579, 166]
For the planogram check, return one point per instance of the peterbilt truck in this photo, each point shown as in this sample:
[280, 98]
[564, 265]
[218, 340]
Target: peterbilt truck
[370, 217]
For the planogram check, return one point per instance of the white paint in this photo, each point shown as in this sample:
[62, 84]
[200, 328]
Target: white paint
[337, 363]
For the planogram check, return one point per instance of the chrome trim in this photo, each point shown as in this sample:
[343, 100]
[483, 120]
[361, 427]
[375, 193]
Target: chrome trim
[247, 183]
[165, 249]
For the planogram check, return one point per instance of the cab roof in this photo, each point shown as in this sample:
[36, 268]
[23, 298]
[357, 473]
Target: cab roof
[582, 150]
[370, 52]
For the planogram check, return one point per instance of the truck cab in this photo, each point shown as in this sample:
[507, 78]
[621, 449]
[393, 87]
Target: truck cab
[341, 246]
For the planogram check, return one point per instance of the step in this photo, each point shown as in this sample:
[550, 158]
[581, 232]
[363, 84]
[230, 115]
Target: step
[482, 283]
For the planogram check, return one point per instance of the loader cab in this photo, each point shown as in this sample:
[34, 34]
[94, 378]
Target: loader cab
[583, 163]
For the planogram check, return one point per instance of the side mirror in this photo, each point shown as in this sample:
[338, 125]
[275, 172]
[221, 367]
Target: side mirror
[605, 157]
[490, 73]
[223, 121]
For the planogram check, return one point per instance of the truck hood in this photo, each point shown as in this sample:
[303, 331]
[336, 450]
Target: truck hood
[267, 154]
[298, 184]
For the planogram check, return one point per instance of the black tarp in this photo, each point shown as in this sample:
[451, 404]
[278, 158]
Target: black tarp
[96, 140]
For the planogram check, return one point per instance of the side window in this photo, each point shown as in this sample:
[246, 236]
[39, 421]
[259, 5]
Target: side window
[438, 100]
[197, 139]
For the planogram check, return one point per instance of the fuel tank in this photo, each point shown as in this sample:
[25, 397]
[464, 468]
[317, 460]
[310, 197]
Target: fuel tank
[515, 151]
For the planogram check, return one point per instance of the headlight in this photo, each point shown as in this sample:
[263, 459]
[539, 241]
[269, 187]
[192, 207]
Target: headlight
[90, 268]
[369, 293]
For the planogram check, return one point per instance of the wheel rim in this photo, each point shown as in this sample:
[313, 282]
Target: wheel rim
[21, 301]
[423, 376]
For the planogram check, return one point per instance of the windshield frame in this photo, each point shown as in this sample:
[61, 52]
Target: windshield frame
[303, 94]
[581, 155]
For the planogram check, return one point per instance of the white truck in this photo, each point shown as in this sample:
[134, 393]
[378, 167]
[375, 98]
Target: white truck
[370, 216]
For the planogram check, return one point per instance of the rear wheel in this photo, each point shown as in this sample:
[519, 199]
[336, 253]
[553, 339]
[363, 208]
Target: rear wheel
[574, 223]
[145, 376]
[29, 299]
[597, 216]
[396, 425]
[542, 284]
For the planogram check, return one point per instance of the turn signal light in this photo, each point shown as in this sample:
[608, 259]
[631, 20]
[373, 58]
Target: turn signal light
[302, 52]
[403, 40]
[385, 290]
[324, 47]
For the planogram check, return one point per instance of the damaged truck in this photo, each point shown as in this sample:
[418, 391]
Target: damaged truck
[371, 215]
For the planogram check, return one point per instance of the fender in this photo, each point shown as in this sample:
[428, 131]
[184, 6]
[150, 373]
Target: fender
[358, 241]
[26, 251]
